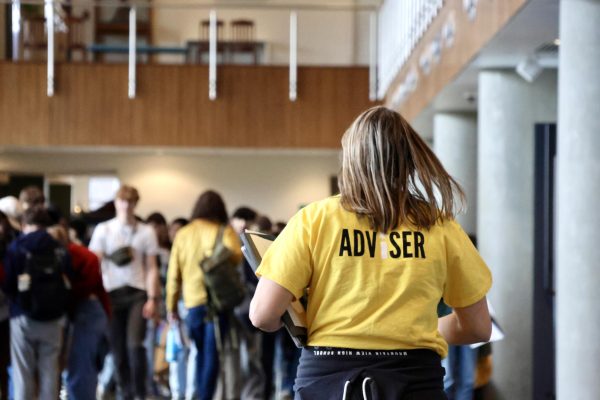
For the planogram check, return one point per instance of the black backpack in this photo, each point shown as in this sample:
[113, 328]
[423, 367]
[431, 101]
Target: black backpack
[222, 280]
[43, 287]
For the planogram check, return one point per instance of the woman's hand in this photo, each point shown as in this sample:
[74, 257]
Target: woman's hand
[173, 316]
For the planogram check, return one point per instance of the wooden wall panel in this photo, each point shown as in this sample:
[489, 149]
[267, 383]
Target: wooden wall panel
[154, 116]
[194, 90]
[90, 106]
[470, 37]
[172, 108]
[24, 106]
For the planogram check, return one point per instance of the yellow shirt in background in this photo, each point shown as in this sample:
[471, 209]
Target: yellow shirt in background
[190, 246]
[370, 290]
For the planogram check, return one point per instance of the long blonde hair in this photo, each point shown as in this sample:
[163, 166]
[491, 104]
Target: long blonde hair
[391, 176]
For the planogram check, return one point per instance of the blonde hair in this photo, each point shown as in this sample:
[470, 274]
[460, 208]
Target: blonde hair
[391, 176]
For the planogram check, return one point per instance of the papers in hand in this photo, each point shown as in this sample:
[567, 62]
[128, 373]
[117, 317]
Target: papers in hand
[255, 244]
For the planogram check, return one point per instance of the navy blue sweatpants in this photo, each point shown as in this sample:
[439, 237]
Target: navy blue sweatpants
[332, 373]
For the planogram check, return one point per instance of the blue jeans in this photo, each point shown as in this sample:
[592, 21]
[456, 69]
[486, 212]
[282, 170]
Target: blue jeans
[460, 372]
[207, 360]
[88, 332]
[182, 372]
[106, 377]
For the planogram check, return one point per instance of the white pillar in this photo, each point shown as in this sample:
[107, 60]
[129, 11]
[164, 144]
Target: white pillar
[578, 196]
[508, 109]
[455, 144]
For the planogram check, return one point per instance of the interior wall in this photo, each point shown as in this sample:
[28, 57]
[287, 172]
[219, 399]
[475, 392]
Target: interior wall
[325, 37]
[274, 184]
[362, 21]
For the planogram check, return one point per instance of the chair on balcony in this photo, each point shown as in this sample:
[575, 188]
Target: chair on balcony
[34, 37]
[117, 27]
[242, 30]
[205, 29]
[196, 48]
[242, 37]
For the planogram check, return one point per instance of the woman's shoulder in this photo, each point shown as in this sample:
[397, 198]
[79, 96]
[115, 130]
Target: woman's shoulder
[198, 227]
[326, 205]
[447, 229]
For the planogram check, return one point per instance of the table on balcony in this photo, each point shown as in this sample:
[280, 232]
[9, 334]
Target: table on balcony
[141, 49]
[227, 49]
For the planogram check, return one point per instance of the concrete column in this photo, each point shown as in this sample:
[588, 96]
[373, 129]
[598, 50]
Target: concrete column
[455, 144]
[508, 109]
[578, 196]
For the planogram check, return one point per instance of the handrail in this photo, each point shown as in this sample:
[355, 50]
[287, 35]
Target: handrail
[401, 26]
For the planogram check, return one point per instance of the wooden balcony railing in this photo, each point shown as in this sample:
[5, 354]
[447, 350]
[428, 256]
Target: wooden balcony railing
[91, 107]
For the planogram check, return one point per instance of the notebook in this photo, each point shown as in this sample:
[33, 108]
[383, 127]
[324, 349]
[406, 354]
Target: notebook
[254, 246]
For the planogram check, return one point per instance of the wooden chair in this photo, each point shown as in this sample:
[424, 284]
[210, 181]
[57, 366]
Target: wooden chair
[242, 30]
[76, 35]
[34, 37]
[196, 49]
[118, 25]
[242, 37]
[205, 29]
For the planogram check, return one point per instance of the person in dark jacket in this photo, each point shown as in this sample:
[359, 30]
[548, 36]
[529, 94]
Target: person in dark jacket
[7, 235]
[35, 344]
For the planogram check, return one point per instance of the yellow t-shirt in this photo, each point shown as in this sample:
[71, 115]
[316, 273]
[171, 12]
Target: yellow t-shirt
[190, 246]
[370, 290]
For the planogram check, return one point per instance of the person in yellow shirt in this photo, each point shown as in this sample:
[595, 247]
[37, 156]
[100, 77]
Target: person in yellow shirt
[185, 277]
[377, 259]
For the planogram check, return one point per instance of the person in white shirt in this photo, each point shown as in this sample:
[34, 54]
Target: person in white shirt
[127, 250]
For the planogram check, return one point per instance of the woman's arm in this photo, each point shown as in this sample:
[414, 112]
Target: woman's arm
[174, 278]
[467, 325]
[268, 305]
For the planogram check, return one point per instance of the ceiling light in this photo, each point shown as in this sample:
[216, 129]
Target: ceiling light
[557, 41]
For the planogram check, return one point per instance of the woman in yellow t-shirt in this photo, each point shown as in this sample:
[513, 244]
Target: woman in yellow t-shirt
[186, 279]
[377, 259]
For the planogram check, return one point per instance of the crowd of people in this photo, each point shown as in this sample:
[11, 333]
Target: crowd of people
[119, 309]
[145, 309]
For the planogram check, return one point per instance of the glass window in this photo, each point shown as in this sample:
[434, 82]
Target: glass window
[101, 190]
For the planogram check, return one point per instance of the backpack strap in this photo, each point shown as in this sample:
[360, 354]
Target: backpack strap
[219, 237]
[211, 311]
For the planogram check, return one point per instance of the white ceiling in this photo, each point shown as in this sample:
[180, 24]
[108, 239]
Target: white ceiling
[536, 24]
